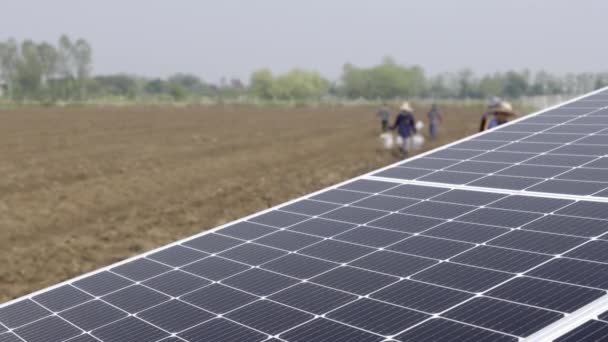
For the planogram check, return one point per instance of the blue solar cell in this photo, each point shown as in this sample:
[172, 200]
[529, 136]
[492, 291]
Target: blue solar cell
[370, 186]
[252, 254]
[466, 232]
[50, 329]
[176, 283]
[396, 264]
[62, 298]
[575, 272]
[325, 330]
[259, 282]
[175, 316]
[466, 278]
[269, 317]
[354, 280]
[309, 207]
[405, 223]
[593, 251]
[299, 266]
[336, 251]
[503, 316]
[129, 329]
[420, 296]
[501, 259]
[381, 318]
[438, 209]
[212, 243]
[177, 256]
[505, 182]
[140, 269]
[92, 315]
[135, 298]
[537, 242]
[22, 312]
[218, 299]
[546, 294]
[386, 203]
[102, 283]
[313, 298]
[590, 331]
[415, 191]
[402, 173]
[215, 268]
[443, 330]
[279, 219]
[321, 227]
[340, 196]
[247, 230]
[373, 237]
[221, 330]
[428, 247]
[287, 240]
[354, 215]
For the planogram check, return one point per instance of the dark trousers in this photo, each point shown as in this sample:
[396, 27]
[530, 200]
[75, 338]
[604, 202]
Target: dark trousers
[384, 125]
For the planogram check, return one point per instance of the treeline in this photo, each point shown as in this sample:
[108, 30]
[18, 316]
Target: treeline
[44, 72]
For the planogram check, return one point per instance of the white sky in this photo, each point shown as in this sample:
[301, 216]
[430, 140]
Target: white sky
[215, 38]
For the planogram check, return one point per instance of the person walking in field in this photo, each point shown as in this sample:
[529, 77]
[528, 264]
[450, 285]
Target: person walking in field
[406, 127]
[384, 114]
[498, 113]
[435, 118]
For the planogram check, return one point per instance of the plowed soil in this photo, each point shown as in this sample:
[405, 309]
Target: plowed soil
[81, 188]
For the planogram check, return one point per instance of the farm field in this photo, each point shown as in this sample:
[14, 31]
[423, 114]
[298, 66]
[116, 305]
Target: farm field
[81, 188]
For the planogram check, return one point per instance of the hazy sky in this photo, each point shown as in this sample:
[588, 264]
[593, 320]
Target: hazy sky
[234, 37]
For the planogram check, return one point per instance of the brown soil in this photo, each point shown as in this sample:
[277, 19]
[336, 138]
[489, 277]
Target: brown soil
[81, 188]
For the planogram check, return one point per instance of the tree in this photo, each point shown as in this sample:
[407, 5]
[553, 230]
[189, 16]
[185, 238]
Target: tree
[386, 80]
[156, 86]
[262, 84]
[29, 71]
[82, 57]
[9, 56]
[515, 84]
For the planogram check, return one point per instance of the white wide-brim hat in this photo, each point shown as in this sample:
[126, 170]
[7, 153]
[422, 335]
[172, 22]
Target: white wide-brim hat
[504, 108]
[406, 107]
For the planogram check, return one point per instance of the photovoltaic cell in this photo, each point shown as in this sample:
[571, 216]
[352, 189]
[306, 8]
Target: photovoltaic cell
[503, 316]
[591, 331]
[421, 296]
[546, 294]
[438, 329]
[381, 318]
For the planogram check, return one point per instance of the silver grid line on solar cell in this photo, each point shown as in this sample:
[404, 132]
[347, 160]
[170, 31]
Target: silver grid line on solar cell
[571, 320]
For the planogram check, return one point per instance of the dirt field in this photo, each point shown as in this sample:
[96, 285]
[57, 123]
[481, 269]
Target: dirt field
[81, 188]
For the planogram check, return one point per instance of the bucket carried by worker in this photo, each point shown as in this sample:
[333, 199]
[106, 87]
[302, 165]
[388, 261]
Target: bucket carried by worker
[387, 140]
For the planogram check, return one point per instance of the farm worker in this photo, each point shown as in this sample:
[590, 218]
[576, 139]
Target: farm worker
[489, 114]
[499, 114]
[384, 113]
[434, 120]
[405, 126]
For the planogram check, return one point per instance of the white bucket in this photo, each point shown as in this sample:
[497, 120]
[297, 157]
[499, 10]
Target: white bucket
[417, 141]
[387, 140]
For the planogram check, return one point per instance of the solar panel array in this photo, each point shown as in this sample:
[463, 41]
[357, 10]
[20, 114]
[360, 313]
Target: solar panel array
[459, 244]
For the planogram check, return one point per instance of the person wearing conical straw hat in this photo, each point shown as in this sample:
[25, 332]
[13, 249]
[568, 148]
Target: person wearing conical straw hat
[405, 126]
[498, 114]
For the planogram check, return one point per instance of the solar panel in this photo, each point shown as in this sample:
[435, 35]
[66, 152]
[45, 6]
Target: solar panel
[459, 244]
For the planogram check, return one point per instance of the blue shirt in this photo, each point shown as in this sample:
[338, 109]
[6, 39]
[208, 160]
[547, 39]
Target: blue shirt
[405, 124]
